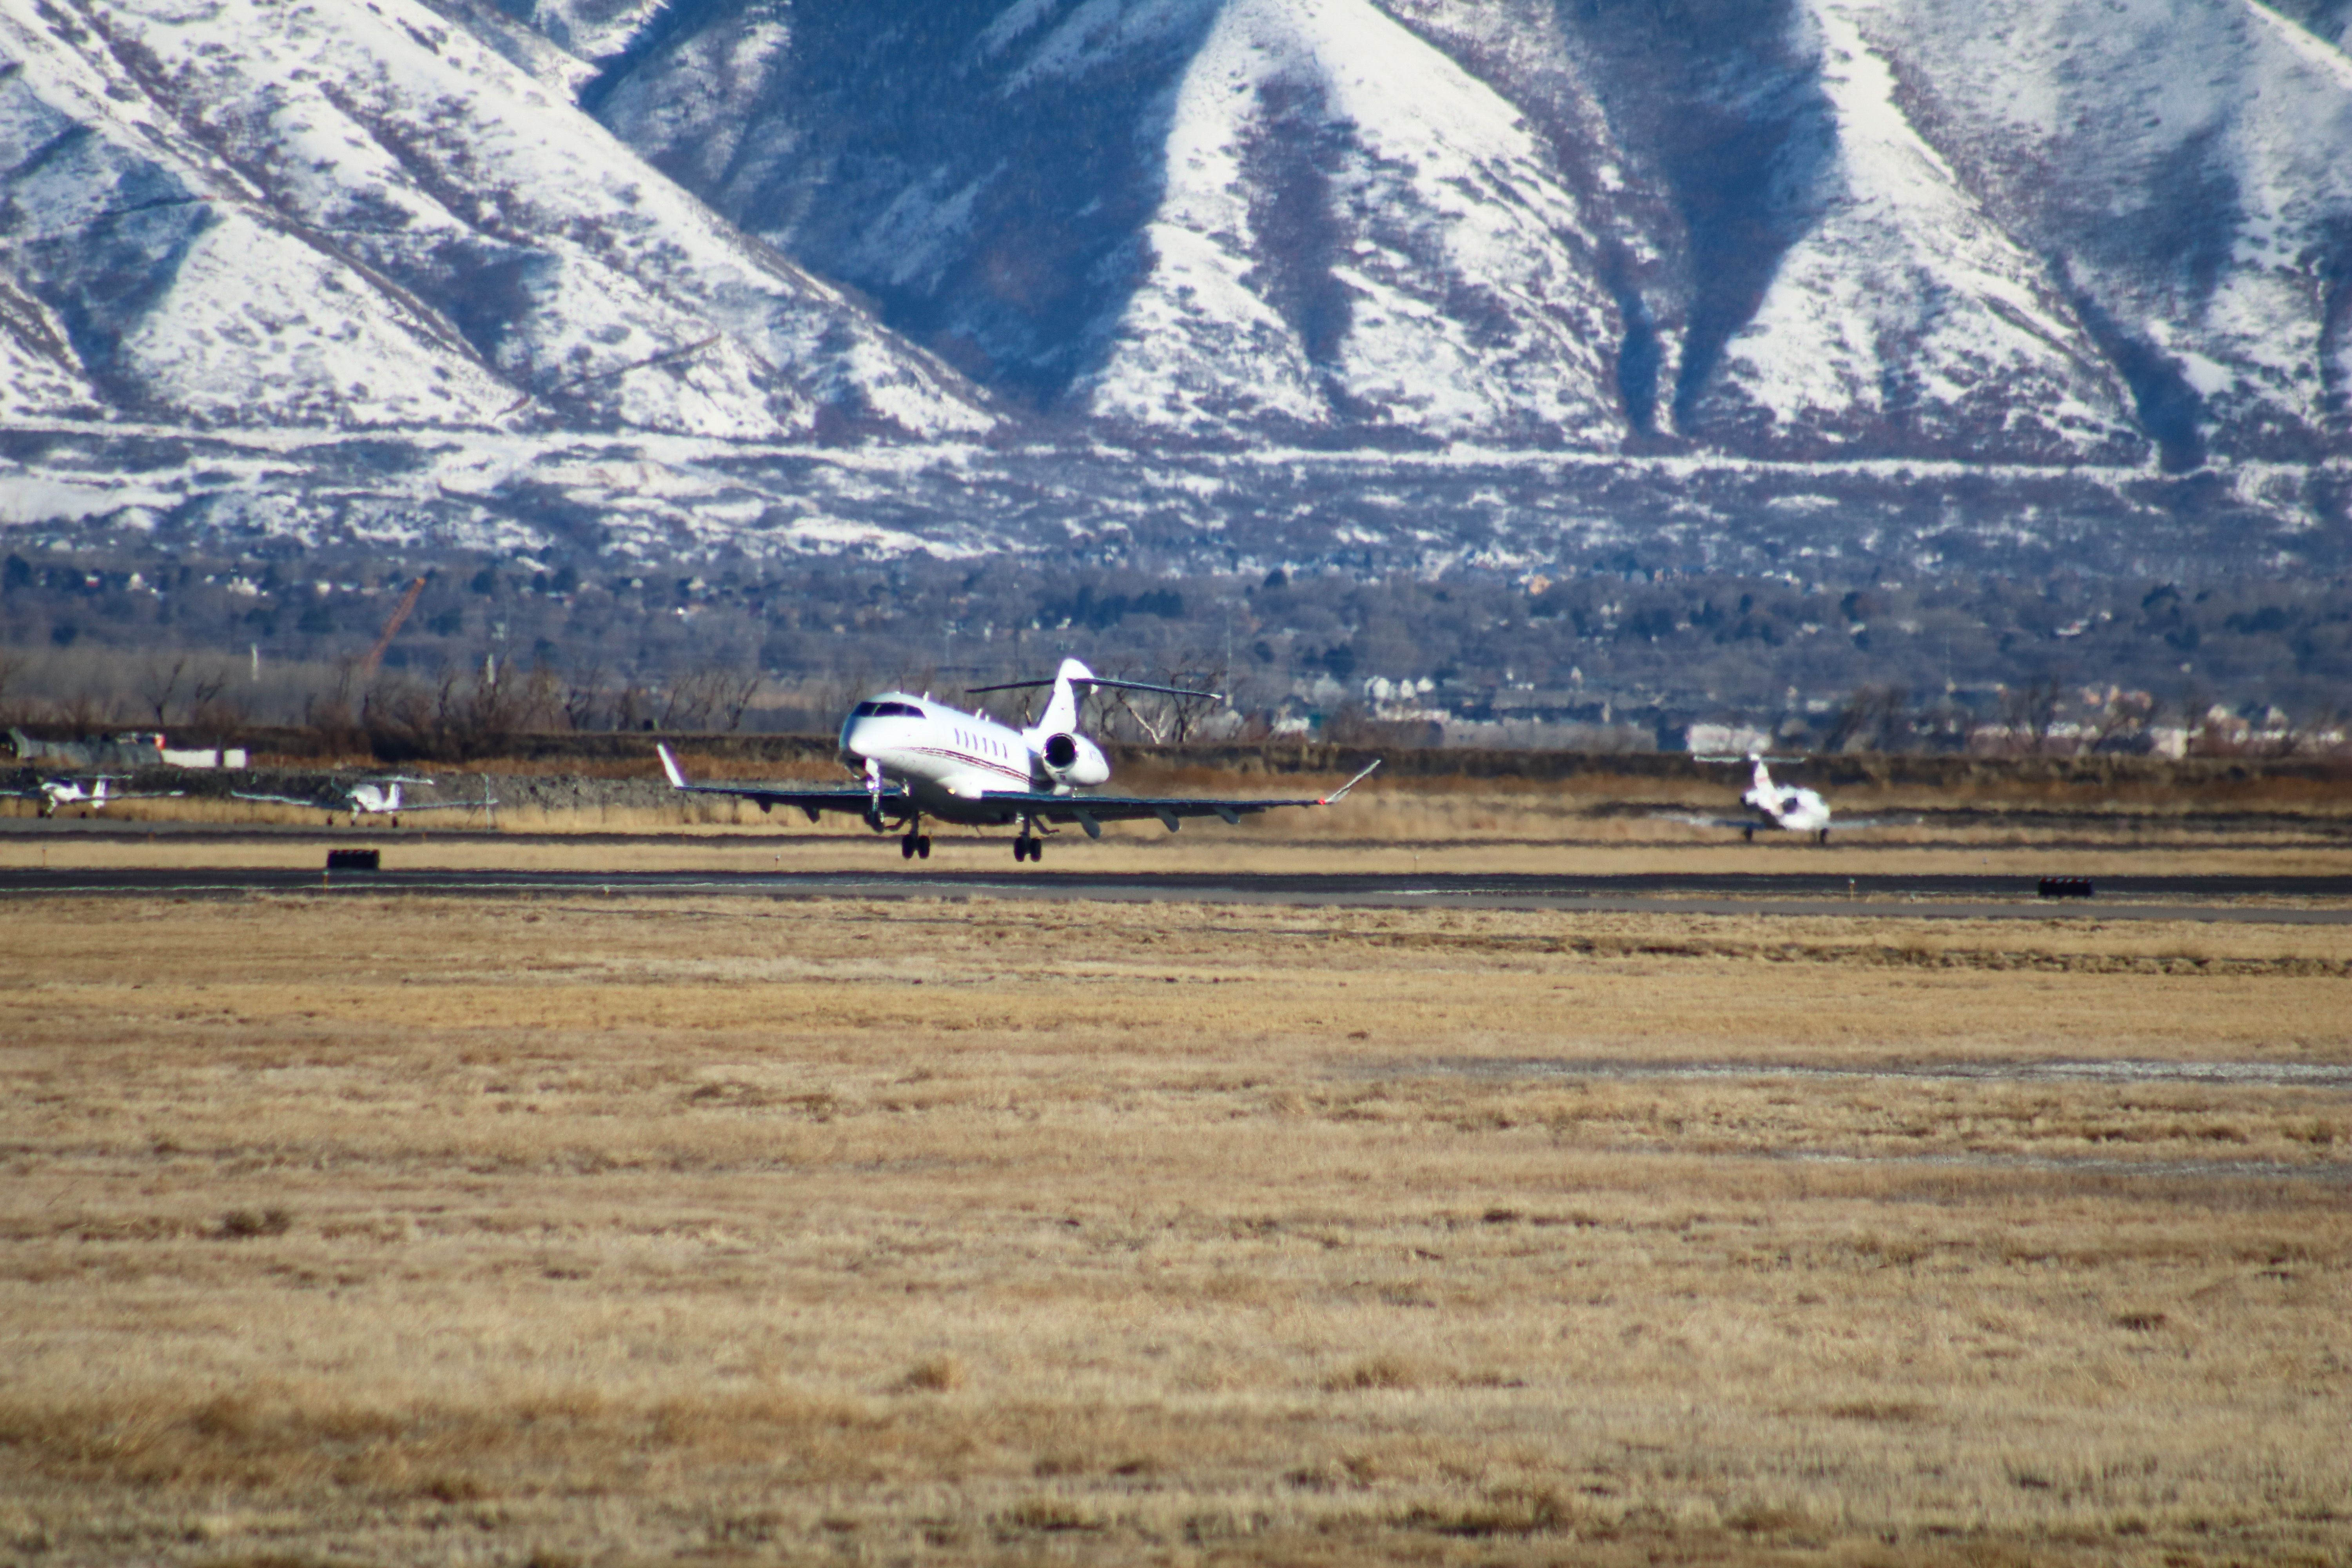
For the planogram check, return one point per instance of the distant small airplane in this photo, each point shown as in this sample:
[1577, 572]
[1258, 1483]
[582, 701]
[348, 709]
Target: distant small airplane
[377, 797]
[1787, 807]
[920, 757]
[93, 795]
[1796, 810]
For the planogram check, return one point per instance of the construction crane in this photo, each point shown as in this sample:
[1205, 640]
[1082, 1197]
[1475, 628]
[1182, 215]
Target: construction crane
[399, 613]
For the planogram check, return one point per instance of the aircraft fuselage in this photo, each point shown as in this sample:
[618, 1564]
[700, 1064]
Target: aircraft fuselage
[947, 760]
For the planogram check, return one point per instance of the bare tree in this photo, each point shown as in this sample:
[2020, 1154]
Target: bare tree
[584, 701]
[11, 667]
[1167, 719]
[158, 685]
[2028, 713]
[685, 704]
[329, 713]
[631, 705]
[2128, 722]
[706, 695]
[735, 694]
[1872, 720]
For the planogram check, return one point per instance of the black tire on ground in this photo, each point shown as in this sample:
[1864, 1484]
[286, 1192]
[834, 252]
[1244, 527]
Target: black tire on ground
[923, 846]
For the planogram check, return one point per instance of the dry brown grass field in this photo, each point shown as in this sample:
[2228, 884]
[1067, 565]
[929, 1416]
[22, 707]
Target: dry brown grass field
[588, 1231]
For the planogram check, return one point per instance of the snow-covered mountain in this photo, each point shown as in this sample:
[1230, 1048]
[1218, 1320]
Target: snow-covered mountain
[353, 213]
[742, 271]
[2187, 169]
[1793, 228]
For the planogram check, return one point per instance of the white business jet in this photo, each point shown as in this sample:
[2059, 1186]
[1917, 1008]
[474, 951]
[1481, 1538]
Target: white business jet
[1769, 805]
[1787, 807]
[92, 794]
[919, 757]
[377, 797]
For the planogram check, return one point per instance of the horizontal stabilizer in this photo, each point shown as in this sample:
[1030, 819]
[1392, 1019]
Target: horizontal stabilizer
[1100, 683]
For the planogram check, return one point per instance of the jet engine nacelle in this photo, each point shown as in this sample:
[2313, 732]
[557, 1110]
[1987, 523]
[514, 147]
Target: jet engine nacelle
[1073, 760]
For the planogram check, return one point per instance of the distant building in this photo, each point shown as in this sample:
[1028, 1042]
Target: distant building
[132, 749]
[1725, 740]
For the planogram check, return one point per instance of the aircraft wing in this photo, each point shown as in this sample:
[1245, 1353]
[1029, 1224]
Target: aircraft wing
[408, 806]
[1091, 811]
[311, 801]
[114, 795]
[812, 802]
[815, 803]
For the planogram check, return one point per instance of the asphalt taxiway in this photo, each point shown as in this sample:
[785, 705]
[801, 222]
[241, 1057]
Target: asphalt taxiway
[2265, 899]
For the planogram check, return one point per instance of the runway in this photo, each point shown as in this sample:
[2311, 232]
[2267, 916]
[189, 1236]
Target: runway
[2260, 900]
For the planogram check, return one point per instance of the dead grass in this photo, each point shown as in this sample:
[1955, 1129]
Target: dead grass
[589, 1230]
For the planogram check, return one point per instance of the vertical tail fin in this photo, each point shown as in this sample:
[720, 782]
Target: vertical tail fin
[1061, 714]
[1763, 774]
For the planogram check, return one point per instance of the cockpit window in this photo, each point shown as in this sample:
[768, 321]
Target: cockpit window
[885, 711]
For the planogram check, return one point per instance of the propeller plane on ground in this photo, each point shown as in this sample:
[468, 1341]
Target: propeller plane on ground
[377, 797]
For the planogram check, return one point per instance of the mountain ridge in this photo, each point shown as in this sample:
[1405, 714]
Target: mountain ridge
[2089, 241]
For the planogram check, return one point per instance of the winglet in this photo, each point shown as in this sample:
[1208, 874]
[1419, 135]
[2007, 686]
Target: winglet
[1333, 799]
[669, 765]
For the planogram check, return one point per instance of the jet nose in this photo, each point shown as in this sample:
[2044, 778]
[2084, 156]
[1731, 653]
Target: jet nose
[853, 736]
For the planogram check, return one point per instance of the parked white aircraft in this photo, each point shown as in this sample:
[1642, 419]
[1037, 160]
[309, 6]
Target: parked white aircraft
[920, 757]
[377, 797]
[93, 795]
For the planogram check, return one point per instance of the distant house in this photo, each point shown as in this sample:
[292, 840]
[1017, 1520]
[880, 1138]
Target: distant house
[1725, 740]
[132, 749]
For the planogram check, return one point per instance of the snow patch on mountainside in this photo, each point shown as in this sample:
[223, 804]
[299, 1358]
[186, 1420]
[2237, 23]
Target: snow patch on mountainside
[39, 377]
[594, 30]
[693, 113]
[1355, 231]
[239, 336]
[1905, 318]
[2193, 161]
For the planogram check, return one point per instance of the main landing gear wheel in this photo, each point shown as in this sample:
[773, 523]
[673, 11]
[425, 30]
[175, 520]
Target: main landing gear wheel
[913, 845]
[1028, 850]
[1748, 833]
